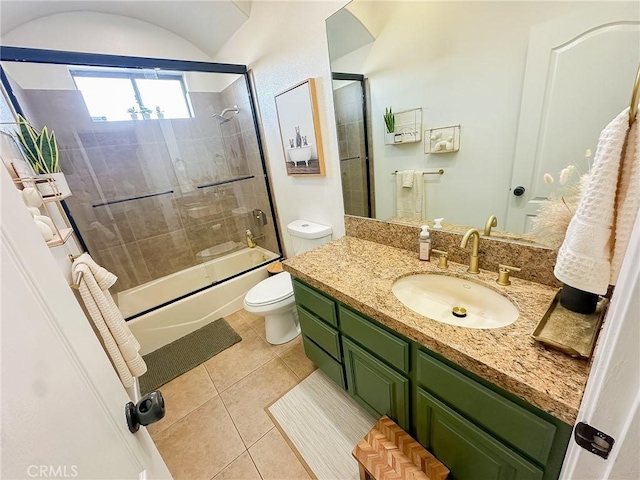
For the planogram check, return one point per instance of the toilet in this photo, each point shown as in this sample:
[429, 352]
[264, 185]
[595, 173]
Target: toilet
[273, 298]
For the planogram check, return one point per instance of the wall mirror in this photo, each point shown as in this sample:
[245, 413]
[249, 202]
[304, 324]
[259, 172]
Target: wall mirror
[531, 85]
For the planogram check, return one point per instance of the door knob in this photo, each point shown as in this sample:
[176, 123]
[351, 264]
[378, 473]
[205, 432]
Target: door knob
[148, 410]
[518, 191]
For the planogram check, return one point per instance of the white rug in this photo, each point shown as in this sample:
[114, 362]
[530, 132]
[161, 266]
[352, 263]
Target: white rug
[323, 423]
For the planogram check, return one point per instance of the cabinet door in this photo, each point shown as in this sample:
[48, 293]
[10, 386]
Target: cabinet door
[375, 385]
[469, 452]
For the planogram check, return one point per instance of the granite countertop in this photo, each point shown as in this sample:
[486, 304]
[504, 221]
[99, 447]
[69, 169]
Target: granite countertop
[360, 273]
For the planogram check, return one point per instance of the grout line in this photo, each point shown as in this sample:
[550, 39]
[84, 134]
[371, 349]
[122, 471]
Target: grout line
[234, 424]
[186, 414]
[261, 437]
[251, 456]
[221, 470]
[242, 378]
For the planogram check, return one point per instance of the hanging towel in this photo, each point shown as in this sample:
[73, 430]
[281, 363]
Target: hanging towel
[407, 178]
[598, 234]
[121, 345]
[410, 201]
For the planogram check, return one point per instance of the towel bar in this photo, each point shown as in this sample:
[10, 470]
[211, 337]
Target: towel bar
[76, 284]
[438, 172]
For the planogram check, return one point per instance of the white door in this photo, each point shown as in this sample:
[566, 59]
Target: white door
[611, 401]
[579, 76]
[62, 408]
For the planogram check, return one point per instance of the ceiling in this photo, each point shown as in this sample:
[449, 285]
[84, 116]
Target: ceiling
[206, 24]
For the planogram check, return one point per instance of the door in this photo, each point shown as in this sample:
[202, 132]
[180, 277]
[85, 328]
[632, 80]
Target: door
[573, 87]
[611, 401]
[466, 450]
[375, 385]
[62, 407]
[349, 98]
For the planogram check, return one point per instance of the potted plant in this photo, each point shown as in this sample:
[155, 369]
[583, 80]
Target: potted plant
[389, 120]
[145, 112]
[159, 113]
[132, 113]
[41, 152]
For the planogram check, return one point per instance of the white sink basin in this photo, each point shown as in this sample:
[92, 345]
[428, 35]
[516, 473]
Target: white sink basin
[435, 296]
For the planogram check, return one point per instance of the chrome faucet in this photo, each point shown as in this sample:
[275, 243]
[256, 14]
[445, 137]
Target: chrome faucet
[491, 222]
[473, 260]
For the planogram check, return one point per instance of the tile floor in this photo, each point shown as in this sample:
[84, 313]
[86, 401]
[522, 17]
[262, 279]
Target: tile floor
[216, 427]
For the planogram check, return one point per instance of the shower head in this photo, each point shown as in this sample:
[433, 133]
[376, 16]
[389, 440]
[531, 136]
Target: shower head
[221, 116]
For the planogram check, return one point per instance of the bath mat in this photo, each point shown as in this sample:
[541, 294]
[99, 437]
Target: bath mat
[322, 424]
[176, 358]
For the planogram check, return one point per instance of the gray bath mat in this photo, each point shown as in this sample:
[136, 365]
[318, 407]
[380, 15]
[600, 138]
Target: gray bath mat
[171, 361]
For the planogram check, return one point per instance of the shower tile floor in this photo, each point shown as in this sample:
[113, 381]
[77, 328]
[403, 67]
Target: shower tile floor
[216, 426]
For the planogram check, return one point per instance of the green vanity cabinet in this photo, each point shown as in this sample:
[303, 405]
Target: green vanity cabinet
[467, 451]
[476, 429]
[376, 386]
[318, 319]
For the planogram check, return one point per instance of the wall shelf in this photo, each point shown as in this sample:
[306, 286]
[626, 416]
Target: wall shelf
[51, 207]
[408, 128]
[60, 237]
[442, 139]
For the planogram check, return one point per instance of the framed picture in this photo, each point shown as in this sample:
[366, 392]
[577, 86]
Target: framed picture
[299, 129]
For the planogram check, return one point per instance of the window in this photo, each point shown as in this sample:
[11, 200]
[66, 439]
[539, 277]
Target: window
[121, 96]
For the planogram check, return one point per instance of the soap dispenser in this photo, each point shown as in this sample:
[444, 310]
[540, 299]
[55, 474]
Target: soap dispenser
[425, 244]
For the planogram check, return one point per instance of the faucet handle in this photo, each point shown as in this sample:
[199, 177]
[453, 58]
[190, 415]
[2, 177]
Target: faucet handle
[503, 274]
[444, 258]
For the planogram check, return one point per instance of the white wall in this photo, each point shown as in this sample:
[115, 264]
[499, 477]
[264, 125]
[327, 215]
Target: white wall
[284, 43]
[463, 63]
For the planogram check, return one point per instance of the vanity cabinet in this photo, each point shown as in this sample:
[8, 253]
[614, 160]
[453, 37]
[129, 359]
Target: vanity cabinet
[477, 430]
[466, 450]
[375, 385]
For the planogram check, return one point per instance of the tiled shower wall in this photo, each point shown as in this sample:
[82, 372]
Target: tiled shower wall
[350, 124]
[144, 239]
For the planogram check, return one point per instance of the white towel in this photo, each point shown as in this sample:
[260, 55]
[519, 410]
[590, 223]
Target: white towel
[410, 201]
[407, 178]
[599, 232]
[121, 345]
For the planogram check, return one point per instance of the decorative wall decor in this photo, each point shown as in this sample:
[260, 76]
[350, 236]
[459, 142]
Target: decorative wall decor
[406, 126]
[442, 139]
[300, 129]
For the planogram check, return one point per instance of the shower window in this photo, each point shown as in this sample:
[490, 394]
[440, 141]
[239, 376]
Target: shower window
[118, 96]
[164, 203]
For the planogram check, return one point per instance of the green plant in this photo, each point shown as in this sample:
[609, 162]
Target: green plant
[389, 120]
[131, 110]
[144, 110]
[40, 148]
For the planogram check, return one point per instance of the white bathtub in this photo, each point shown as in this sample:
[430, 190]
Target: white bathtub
[164, 325]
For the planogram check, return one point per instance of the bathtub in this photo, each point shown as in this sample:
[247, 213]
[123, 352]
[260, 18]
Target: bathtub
[175, 320]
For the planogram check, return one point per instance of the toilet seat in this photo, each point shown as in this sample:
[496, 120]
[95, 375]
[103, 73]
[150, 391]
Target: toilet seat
[272, 290]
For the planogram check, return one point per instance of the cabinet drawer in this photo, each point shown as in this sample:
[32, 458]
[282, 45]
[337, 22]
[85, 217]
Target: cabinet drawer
[384, 344]
[321, 333]
[316, 303]
[324, 362]
[494, 413]
[376, 386]
[465, 449]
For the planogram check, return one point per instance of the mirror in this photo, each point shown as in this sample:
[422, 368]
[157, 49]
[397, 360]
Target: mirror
[531, 85]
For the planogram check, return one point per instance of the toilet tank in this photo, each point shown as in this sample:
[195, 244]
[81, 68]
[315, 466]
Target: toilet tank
[307, 235]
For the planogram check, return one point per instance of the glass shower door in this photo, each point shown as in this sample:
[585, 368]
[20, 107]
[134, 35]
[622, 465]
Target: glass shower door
[165, 171]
